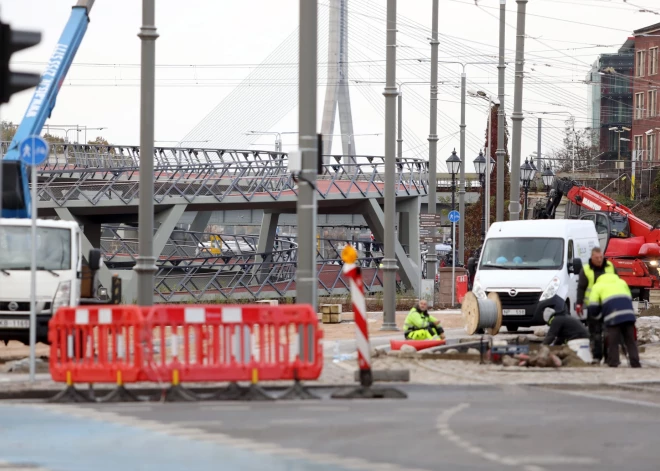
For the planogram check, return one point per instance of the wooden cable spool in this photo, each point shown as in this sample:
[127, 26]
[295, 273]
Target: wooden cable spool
[483, 314]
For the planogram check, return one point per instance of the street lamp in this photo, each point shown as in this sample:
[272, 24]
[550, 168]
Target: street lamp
[526, 173]
[480, 164]
[453, 167]
[548, 177]
[278, 137]
[620, 130]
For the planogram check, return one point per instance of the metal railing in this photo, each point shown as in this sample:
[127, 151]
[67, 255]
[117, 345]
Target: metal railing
[188, 270]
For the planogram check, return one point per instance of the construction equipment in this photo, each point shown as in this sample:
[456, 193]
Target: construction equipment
[631, 244]
[62, 279]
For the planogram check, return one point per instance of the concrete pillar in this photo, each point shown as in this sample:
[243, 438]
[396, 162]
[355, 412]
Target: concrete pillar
[374, 216]
[201, 221]
[268, 232]
[409, 228]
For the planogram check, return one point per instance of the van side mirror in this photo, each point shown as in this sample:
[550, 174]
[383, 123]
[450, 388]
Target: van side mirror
[575, 266]
[94, 259]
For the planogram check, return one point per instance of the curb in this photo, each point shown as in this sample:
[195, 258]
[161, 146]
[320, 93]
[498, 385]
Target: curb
[144, 391]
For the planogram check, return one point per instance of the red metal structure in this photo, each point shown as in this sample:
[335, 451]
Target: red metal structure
[630, 243]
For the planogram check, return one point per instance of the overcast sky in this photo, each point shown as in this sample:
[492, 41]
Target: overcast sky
[102, 87]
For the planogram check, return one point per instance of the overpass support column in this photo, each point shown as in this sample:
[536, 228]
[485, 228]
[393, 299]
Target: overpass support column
[104, 274]
[266, 243]
[167, 221]
[408, 273]
[409, 229]
[201, 221]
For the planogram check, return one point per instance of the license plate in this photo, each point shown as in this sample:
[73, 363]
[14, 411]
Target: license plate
[513, 312]
[14, 324]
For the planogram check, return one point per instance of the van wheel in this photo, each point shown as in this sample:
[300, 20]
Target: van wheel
[512, 328]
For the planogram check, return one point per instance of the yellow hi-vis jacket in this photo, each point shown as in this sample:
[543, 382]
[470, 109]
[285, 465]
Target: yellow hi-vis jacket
[415, 320]
[589, 273]
[611, 301]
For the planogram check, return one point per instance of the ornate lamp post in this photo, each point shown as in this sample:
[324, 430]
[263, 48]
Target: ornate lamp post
[453, 167]
[480, 169]
[526, 174]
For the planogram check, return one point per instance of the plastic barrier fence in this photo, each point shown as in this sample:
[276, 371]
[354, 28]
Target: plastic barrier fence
[126, 344]
[96, 344]
[232, 343]
[461, 287]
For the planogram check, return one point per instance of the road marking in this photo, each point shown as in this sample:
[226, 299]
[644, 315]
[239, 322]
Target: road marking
[605, 398]
[171, 428]
[325, 408]
[227, 408]
[528, 463]
[291, 421]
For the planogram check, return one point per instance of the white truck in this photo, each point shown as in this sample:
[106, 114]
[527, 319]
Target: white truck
[62, 280]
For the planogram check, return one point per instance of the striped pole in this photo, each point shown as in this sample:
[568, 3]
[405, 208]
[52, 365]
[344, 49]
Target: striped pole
[350, 269]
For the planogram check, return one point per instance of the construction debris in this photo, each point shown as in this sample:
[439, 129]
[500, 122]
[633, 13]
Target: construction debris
[648, 330]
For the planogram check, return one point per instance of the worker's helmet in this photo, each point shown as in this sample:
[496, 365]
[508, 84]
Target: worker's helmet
[548, 312]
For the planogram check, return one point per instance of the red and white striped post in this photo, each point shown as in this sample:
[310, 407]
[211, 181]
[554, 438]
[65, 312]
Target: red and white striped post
[349, 256]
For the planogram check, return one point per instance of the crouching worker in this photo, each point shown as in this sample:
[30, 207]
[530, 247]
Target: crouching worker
[420, 325]
[563, 327]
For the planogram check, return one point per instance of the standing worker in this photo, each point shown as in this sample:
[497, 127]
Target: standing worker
[419, 325]
[610, 301]
[597, 266]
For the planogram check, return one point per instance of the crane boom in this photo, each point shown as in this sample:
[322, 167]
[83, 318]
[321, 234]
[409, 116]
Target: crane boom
[16, 198]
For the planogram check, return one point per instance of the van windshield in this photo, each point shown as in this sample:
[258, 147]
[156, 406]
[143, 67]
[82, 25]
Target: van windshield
[522, 253]
[53, 248]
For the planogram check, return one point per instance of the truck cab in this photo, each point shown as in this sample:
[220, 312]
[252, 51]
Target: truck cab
[59, 273]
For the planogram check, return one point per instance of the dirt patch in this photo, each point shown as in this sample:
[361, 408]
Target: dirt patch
[17, 351]
[653, 311]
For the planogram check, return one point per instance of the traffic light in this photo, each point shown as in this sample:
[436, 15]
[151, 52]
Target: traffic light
[11, 42]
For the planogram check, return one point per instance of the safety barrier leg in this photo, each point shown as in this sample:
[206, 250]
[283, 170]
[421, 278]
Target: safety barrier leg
[365, 390]
[255, 392]
[233, 392]
[297, 391]
[120, 394]
[177, 393]
[70, 394]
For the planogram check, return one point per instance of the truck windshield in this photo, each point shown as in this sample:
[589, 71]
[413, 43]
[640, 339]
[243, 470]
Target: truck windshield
[522, 253]
[53, 248]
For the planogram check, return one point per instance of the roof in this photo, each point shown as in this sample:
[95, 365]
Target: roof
[538, 228]
[40, 223]
[647, 29]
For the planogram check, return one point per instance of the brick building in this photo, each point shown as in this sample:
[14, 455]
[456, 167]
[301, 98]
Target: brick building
[646, 112]
[611, 101]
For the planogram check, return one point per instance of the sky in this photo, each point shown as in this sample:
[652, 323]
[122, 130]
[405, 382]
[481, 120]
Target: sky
[207, 47]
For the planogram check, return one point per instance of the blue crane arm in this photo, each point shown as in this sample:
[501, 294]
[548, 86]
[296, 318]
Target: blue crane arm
[16, 198]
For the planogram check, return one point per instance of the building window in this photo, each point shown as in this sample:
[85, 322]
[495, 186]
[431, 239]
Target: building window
[653, 61]
[641, 55]
[650, 146]
[639, 146]
[639, 105]
[653, 103]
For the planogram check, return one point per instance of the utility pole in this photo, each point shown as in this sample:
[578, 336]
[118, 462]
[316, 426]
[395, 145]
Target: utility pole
[517, 116]
[539, 156]
[432, 258]
[145, 266]
[461, 183]
[501, 151]
[399, 138]
[306, 282]
[390, 93]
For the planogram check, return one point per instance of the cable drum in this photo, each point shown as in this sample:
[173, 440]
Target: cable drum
[483, 314]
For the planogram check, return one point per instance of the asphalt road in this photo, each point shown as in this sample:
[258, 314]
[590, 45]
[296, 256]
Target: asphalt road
[436, 428]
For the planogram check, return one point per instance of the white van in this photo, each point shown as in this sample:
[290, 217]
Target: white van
[528, 263]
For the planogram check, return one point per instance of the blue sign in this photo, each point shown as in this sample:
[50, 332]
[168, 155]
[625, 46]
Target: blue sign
[34, 150]
[454, 216]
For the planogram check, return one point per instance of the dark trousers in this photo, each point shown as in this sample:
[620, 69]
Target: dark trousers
[618, 335]
[596, 337]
